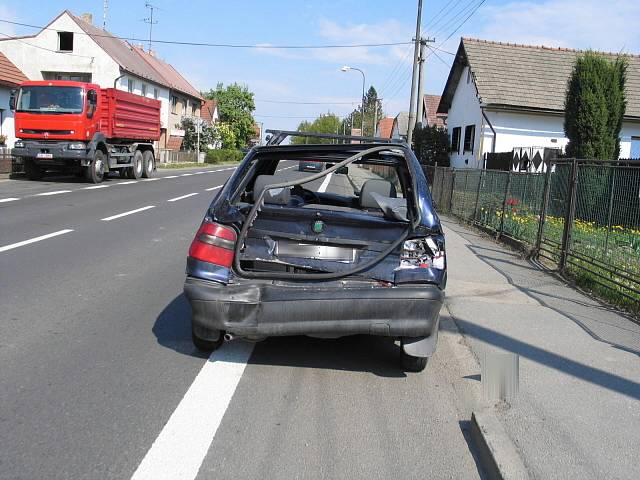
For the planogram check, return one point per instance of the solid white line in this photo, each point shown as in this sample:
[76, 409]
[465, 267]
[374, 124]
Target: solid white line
[171, 176]
[57, 192]
[33, 240]
[12, 199]
[180, 448]
[95, 187]
[127, 183]
[213, 188]
[183, 196]
[325, 184]
[186, 174]
[124, 214]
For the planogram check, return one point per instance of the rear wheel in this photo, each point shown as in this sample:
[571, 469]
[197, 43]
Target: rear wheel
[411, 363]
[137, 168]
[94, 172]
[206, 345]
[148, 163]
[33, 171]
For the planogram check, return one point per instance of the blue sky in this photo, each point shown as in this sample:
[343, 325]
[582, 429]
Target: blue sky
[314, 75]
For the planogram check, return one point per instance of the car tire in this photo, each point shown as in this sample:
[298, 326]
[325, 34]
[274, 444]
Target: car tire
[137, 169]
[206, 345]
[33, 171]
[411, 363]
[94, 172]
[148, 164]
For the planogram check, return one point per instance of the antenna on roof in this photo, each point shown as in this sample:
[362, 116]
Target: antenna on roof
[105, 9]
[150, 20]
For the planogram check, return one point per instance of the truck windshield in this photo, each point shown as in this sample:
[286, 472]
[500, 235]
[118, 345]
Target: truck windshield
[50, 99]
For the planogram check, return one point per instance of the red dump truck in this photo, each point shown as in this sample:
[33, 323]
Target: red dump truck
[81, 128]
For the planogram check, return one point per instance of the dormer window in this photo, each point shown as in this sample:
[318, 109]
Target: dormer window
[65, 41]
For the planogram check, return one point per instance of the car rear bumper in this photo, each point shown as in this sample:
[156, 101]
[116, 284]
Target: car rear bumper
[254, 308]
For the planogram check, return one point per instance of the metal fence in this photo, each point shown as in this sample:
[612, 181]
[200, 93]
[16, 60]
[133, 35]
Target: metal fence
[581, 217]
[5, 160]
[176, 156]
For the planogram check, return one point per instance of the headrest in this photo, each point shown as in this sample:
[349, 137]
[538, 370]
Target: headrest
[381, 187]
[277, 196]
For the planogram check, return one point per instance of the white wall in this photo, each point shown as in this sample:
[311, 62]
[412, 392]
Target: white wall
[465, 110]
[7, 126]
[629, 130]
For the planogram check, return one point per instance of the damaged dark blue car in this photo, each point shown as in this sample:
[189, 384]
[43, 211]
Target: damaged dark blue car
[354, 249]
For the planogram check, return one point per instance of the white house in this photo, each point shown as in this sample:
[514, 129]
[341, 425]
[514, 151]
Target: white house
[400, 126]
[72, 48]
[10, 77]
[500, 97]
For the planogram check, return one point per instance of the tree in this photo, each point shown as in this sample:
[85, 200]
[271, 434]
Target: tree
[207, 135]
[225, 135]
[431, 145]
[235, 105]
[325, 123]
[594, 107]
[372, 112]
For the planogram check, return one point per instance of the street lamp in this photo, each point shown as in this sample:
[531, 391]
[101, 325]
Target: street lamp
[346, 68]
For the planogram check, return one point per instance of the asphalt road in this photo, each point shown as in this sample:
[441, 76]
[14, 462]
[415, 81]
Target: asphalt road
[100, 380]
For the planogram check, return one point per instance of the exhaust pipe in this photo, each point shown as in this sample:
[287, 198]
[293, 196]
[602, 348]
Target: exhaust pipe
[229, 336]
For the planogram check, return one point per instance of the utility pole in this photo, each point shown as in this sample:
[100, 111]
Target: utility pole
[375, 115]
[414, 77]
[105, 9]
[150, 21]
[421, 79]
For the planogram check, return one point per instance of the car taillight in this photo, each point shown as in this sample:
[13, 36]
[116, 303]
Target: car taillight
[214, 243]
[422, 253]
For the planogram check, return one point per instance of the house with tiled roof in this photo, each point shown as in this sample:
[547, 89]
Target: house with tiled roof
[72, 48]
[209, 112]
[384, 127]
[500, 97]
[430, 115]
[10, 77]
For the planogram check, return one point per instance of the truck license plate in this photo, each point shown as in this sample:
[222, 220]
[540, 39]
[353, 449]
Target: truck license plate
[44, 155]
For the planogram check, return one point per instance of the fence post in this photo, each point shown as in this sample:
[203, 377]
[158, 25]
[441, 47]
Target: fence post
[613, 184]
[543, 209]
[464, 190]
[504, 203]
[453, 186]
[475, 208]
[569, 217]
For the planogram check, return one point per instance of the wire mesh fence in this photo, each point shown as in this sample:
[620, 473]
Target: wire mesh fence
[581, 217]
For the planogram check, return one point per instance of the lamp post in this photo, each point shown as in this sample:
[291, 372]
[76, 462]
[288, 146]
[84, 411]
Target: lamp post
[346, 68]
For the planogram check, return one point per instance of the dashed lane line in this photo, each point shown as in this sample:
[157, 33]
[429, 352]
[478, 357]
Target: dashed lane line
[34, 240]
[213, 188]
[127, 183]
[186, 174]
[325, 183]
[95, 187]
[124, 214]
[151, 179]
[46, 194]
[183, 196]
[171, 176]
[180, 448]
[5, 200]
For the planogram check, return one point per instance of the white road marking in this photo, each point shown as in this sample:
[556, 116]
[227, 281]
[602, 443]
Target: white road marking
[325, 184]
[186, 174]
[179, 450]
[151, 179]
[5, 200]
[57, 192]
[213, 188]
[199, 173]
[124, 214]
[95, 187]
[127, 183]
[183, 196]
[34, 240]
[171, 176]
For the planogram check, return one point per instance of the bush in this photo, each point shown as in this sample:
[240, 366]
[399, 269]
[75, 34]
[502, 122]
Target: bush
[431, 145]
[224, 156]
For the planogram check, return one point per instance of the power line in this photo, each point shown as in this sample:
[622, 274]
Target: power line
[434, 21]
[439, 57]
[292, 102]
[223, 45]
[455, 18]
[391, 78]
[463, 22]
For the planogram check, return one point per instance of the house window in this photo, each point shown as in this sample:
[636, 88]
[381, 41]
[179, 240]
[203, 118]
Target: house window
[184, 107]
[65, 41]
[155, 93]
[455, 139]
[635, 148]
[130, 85]
[174, 104]
[194, 109]
[469, 137]
[144, 90]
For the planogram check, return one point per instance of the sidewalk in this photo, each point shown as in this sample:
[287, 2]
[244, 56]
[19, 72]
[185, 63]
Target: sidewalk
[577, 414]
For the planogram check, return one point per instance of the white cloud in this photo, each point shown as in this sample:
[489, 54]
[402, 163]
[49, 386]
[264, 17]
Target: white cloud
[601, 25]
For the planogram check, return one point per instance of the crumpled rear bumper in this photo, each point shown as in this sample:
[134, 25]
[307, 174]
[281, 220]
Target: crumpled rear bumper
[264, 308]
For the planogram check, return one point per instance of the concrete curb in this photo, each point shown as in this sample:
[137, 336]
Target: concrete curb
[497, 452]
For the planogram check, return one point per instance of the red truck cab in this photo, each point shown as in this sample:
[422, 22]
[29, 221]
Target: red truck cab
[82, 128]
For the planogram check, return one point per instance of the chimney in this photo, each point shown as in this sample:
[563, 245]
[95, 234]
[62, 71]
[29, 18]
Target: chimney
[87, 17]
[152, 53]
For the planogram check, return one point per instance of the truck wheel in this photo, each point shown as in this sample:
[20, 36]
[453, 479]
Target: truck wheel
[207, 345]
[411, 363]
[33, 171]
[148, 163]
[94, 172]
[137, 165]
